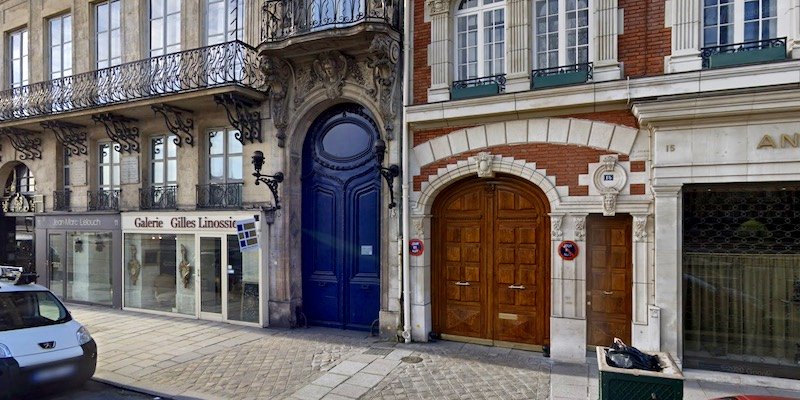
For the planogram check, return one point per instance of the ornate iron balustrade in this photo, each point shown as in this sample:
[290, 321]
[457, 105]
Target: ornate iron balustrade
[158, 198]
[282, 19]
[561, 75]
[230, 63]
[103, 200]
[17, 202]
[744, 53]
[61, 200]
[478, 87]
[219, 195]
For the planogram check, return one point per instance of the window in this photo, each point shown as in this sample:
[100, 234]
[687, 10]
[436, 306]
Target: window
[480, 38]
[109, 167]
[224, 156]
[561, 33]
[107, 29]
[65, 171]
[736, 21]
[18, 43]
[163, 161]
[165, 27]
[224, 21]
[21, 181]
[60, 46]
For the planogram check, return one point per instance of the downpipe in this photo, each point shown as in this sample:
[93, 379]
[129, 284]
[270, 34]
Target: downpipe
[405, 175]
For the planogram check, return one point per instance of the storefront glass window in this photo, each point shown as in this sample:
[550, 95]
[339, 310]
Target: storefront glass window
[741, 278]
[159, 272]
[243, 304]
[88, 268]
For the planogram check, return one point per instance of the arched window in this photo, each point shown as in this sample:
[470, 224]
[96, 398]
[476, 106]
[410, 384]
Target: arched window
[736, 21]
[480, 38]
[21, 181]
[561, 33]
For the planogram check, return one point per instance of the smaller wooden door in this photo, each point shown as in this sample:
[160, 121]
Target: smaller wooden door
[609, 281]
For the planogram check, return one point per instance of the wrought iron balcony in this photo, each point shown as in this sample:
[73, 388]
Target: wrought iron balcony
[478, 87]
[103, 200]
[561, 76]
[61, 200]
[219, 195]
[230, 63]
[283, 19]
[158, 198]
[752, 52]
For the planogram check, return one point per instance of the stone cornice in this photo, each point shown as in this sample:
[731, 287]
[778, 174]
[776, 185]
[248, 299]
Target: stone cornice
[595, 96]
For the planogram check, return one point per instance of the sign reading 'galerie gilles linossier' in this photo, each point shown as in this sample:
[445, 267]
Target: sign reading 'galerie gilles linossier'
[180, 222]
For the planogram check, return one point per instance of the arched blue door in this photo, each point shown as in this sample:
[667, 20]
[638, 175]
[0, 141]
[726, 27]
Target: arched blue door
[341, 220]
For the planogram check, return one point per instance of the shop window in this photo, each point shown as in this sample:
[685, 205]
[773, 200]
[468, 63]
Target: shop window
[741, 278]
[159, 272]
[87, 273]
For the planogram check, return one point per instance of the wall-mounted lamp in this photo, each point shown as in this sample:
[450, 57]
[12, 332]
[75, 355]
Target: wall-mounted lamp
[271, 181]
[393, 171]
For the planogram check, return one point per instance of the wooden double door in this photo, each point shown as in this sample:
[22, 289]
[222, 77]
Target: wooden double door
[491, 272]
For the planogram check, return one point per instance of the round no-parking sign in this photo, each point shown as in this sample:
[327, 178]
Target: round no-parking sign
[415, 247]
[568, 250]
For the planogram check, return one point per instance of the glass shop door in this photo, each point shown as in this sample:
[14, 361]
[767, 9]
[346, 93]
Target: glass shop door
[212, 281]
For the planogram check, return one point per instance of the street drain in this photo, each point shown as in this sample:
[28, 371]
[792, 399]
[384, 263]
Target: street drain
[377, 351]
[411, 359]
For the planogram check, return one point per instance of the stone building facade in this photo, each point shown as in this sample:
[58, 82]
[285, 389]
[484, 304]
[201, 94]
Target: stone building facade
[133, 131]
[575, 173]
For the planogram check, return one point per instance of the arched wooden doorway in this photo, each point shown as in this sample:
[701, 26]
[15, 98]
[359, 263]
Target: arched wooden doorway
[491, 262]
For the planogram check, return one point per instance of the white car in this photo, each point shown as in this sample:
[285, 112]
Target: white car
[40, 344]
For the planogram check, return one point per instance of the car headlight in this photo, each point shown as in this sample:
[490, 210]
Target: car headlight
[4, 351]
[83, 336]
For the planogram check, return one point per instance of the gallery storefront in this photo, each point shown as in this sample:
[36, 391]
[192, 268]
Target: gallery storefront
[191, 264]
[76, 255]
[728, 244]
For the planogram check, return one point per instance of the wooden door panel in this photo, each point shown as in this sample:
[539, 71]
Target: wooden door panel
[492, 278]
[609, 283]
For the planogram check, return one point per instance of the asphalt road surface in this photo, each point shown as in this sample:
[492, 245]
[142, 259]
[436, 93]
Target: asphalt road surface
[92, 391]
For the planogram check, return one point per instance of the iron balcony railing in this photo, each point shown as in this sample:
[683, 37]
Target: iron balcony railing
[61, 200]
[282, 19]
[103, 200]
[754, 51]
[230, 63]
[219, 195]
[158, 198]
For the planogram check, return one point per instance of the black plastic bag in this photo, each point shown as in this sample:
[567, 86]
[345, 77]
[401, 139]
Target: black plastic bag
[621, 355]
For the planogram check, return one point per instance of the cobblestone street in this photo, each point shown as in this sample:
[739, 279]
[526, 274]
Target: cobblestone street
[186, 358]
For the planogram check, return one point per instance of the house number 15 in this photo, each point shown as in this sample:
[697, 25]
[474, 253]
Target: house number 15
[670, 148]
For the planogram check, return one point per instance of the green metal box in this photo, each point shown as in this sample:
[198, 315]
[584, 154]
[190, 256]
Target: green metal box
[458, 93]
[754, 56]
[636, 384]
[560, 79]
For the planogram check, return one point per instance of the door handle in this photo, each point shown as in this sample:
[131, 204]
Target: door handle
[607, 293]
[517, 287]
[462, 283]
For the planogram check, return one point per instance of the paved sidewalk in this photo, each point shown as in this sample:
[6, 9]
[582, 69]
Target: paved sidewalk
[186, 358]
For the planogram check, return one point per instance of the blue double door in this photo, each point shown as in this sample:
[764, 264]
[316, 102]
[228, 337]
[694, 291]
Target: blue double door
[341, 220]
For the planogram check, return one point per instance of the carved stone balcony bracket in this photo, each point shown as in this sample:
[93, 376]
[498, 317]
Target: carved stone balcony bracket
[28, 143]
[242, 116]
[278, 76]
[72, 136]
[179, 121]
[119, 129]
